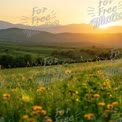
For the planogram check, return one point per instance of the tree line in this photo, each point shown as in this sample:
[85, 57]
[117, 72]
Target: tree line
[57, 57]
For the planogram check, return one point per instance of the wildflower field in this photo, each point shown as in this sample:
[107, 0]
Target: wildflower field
[82, 92]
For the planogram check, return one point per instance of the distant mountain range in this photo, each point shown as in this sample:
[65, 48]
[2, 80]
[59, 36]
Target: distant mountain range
[60, 39]
[71, 28]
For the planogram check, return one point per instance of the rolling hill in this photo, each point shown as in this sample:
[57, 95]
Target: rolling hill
[65, 39]
[71, 28]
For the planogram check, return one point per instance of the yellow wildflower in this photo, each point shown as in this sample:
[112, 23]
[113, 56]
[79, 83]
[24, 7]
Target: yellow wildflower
[36, 107]
[101, 104]
[6, 96]
[86, 95]
[34, 113]
[107, 80]
[25, 117]
[41, 89]
[67, 71]
[99, 72]
[115, 103]
[96, 95]
[61, 112]
[43, 112]
[48, 120]
[77, 100]
[109, 94]
[105, 83]
[76, 92]
[31, 120]
[26, 98]
[89, 116]
[109, 106]
[14, 90]
[116, 89]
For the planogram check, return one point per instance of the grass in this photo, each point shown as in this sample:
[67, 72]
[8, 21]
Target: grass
[45, 51]
[87, 92]
[20, 49]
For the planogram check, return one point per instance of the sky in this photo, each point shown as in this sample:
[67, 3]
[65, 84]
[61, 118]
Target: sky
[65, 11]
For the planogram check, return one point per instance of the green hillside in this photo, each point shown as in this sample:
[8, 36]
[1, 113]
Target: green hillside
[22, 36]
[13, 55]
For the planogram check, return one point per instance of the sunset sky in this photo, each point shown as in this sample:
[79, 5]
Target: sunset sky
[67, 11]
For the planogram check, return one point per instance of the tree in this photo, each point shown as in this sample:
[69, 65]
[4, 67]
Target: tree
[28, 59]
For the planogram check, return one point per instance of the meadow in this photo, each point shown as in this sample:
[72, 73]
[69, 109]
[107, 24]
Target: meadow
[82, 92]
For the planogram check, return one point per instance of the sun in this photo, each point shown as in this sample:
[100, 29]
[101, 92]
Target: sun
[107, 25]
